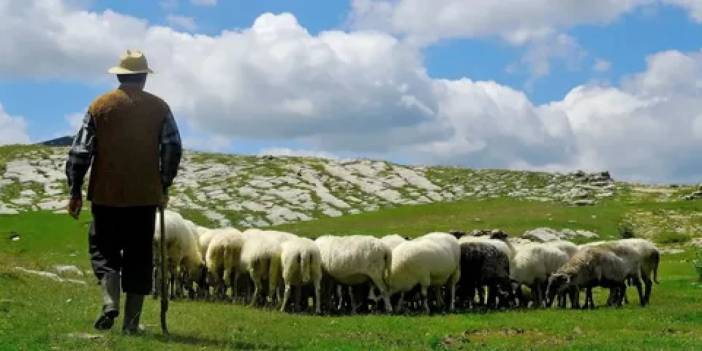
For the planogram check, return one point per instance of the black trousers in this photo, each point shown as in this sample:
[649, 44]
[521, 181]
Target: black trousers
[120, 240]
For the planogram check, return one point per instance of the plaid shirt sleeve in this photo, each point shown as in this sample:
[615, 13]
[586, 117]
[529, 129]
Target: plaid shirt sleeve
[171, 151]
[80, 156]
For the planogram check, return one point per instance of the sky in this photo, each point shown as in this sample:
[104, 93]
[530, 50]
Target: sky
[520, 84]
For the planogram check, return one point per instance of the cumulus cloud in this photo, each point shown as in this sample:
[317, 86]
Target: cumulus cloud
[273, 79]
[693, 6]
[647, 129]
[13, 129]
[514, 20]
[367, 93]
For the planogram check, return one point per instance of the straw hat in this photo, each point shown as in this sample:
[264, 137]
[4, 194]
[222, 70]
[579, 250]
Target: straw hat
[133, 62]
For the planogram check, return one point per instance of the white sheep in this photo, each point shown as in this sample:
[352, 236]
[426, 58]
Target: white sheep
[590, 266]
[356, 259]
[302, 265]
[223, 257]
[429, 260]
[564, 245]
[636, 250]
[532, 266]
[183, 257]
[393, 240]
[260, 258]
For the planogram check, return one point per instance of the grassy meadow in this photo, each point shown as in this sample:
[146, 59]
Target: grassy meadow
[39, 314]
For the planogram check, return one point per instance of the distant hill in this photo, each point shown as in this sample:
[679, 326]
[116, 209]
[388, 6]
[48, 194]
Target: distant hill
[62, 141]
[257, 191]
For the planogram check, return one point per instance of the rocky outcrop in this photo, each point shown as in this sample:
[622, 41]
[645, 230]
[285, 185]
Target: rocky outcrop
[259, 191]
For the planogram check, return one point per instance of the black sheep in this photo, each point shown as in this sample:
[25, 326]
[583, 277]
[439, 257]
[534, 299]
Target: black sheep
[482, 264]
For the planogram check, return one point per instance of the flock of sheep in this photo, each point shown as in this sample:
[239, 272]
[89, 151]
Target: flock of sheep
[436, 271]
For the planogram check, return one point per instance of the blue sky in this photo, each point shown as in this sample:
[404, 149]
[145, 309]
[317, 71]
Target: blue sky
[622, 41]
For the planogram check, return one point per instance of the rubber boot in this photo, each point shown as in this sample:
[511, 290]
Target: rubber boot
[132, 313]
[110, 301]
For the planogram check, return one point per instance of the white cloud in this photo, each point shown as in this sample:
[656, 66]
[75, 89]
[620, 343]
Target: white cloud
[13, 129]
[693, 6]
[601, 65]
[517, 21]
[74, 121]
[182, 22]
[368, 93]
[204, 2]
[648, 128]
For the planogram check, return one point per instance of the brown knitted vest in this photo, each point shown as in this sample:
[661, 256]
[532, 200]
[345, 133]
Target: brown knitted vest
[125, 170]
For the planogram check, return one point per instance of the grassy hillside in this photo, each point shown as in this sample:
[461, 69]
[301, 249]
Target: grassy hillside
[40, 314]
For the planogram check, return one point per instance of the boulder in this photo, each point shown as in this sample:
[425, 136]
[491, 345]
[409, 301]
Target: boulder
[549, 234]
[541, 235]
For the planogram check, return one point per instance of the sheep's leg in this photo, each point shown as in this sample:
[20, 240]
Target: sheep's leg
[317, 296]
[575, 298]
[481, 294]
[639, 290]
[286, 296]
[589, 301]
[257, 289]
[298, 296]
[400, 303]
[340, 297]
[384, 292]
[648, 286]
[440, 303]
[492, 296]
[235, 286]
[536, 293]
[452, 303]
[425, 299]
[354, 305]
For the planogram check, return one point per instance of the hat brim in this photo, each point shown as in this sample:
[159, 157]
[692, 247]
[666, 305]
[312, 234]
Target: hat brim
[122, 70]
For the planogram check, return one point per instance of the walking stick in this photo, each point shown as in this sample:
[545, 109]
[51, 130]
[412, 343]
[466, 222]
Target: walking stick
[164, 293]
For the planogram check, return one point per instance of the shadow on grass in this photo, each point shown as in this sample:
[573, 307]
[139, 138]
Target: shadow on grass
[228, 344]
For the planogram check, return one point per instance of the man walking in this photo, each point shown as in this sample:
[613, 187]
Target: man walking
[132, 142]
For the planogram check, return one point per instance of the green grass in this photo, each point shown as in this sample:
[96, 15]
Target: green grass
[39, 314]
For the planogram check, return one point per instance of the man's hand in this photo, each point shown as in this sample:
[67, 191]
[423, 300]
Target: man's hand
[74, 207]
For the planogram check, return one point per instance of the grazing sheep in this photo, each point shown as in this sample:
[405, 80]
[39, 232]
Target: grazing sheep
[483, 264]
[356, 259]
[430, 260]
[650, 259]
[184, 262]
[564, 245]
[302, 265]
[532, 266]
[391, 241]
[501, 244]
[260, 257]
[223, 258]
[589, 267]
[647, 255]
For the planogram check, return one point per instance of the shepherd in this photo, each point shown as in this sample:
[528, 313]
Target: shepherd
[131, 142]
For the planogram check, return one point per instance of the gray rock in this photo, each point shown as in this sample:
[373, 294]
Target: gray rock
[68, 271]
[541, 235]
